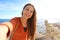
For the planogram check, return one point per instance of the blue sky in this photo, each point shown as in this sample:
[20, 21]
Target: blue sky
[46, 9]
[11, 8]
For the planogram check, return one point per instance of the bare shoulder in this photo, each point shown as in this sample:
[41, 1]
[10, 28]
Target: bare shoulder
[9, 24]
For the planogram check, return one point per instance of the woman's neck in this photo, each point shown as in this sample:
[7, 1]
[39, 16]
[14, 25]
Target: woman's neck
[24, 21]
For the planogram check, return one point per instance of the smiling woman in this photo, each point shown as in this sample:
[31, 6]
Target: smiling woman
[23, 28]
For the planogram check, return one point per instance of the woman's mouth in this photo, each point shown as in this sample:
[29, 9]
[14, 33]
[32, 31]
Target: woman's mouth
[27, 15]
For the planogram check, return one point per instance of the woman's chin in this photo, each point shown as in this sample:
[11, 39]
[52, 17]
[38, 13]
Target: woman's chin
[28, 17]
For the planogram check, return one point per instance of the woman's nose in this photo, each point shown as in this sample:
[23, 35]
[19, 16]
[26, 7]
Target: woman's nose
[29, 11]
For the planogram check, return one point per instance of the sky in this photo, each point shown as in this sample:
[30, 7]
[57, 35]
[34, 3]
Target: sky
[46, 9]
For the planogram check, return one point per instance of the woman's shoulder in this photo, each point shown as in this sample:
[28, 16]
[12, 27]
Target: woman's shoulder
[15, 20]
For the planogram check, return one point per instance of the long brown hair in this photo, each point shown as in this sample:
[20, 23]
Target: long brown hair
[31, 23]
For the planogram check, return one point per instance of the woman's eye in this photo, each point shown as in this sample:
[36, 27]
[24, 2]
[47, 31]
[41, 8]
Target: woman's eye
[27, 9]
[31, 11]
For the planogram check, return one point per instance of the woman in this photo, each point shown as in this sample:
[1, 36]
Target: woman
[23, 28]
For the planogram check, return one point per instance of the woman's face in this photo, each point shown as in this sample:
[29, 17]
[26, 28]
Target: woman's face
[28, 11]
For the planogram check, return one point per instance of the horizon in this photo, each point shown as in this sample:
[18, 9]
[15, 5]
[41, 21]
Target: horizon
[39, 21]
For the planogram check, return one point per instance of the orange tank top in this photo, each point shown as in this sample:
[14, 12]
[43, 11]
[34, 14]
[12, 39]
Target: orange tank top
[19, 34]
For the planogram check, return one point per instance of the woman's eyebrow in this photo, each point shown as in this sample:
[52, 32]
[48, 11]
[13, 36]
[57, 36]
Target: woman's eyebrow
[27, 7]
